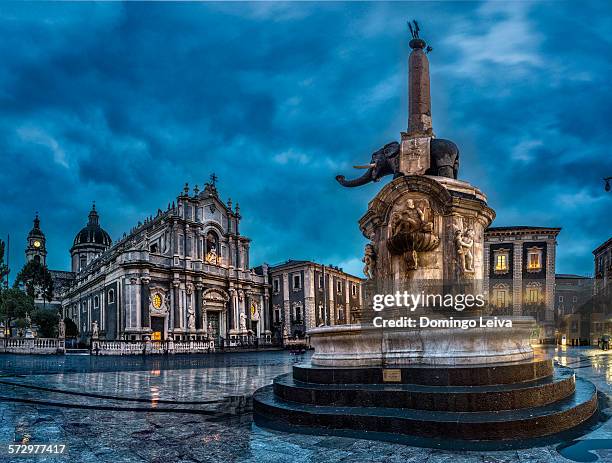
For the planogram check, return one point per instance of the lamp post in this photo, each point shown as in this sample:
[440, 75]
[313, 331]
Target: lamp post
[607, 186]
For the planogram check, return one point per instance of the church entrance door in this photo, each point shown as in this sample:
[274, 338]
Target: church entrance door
[157, 326]
[213, 320]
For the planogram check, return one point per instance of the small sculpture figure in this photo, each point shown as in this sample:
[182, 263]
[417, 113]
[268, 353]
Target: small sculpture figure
[464, 241]
[94, 330]
[61, 329]
[369, 259]
[212, 257]
[190, 317]
[242, 322]
[210, 329]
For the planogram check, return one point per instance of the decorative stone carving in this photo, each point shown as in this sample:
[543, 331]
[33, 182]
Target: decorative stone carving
[414, 156]
[159, 302]
[369, 259]
[95, 332]
[410, 232]
[464, 245]
[242, 322]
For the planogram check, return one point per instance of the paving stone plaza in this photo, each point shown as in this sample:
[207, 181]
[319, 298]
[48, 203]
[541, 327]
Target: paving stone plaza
[198, 409]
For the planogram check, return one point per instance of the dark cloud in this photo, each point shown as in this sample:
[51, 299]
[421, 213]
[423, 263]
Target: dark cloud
[123, 103]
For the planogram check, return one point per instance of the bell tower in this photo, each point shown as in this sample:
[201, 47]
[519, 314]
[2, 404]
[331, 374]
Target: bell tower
[36, 248]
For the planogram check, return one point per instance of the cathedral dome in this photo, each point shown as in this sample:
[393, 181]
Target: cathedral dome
[93, 233]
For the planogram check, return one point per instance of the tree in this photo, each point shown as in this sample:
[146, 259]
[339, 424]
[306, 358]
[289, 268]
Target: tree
[14, 304]
[36, 279]
[72, 330]
[47, 321]
[4, 270]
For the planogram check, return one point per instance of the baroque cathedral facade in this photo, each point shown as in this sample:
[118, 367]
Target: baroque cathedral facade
[182, 274]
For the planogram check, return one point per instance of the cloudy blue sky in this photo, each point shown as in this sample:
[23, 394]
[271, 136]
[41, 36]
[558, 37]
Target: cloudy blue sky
[124, 103]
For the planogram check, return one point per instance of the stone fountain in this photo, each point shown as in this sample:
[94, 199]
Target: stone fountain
[426, 233]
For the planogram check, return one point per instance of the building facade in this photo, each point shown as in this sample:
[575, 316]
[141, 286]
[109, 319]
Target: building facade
[305, 295]
[601, 318]
[573, 309]
[181, 274]
[603, 268]
[520, 274]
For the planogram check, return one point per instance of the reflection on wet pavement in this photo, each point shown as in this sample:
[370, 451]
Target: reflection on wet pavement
[198, 409]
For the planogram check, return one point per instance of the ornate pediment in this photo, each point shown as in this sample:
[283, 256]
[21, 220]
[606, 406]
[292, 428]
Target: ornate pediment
[215, 296]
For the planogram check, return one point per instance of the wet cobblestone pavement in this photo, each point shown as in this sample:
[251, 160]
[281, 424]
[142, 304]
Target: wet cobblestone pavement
[198, 409]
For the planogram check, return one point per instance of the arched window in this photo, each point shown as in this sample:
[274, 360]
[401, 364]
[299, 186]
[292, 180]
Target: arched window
[111, 296]
[96, 302]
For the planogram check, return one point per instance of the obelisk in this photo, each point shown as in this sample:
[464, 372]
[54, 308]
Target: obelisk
[415, 142]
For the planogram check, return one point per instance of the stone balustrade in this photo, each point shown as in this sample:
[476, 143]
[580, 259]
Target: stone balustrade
[102, 347]
[32, 345]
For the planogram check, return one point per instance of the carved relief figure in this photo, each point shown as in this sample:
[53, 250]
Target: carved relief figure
[410, 232]
[369, 259]
[464, 243]
[94, 330]
[242, 322]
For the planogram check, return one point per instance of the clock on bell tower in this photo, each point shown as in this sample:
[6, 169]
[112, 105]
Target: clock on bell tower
[36, 248]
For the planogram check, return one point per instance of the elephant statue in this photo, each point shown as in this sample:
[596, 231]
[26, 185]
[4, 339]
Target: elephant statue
[444, 162]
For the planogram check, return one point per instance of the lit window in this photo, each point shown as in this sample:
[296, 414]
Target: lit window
[501, 261]
[534, 259]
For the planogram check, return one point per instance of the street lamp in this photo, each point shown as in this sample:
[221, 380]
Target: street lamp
[607, 187]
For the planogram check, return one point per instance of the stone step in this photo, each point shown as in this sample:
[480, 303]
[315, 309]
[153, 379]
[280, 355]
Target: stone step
[489, 425]
[476, 375]
[438, 398]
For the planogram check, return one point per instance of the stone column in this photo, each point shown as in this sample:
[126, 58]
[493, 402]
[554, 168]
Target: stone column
[176, 304]
[198, 307]
[517, 279]
[331, 304]
[231, 308]
[549, 314]
[286, 304]
[145, 318]
[309, 298]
